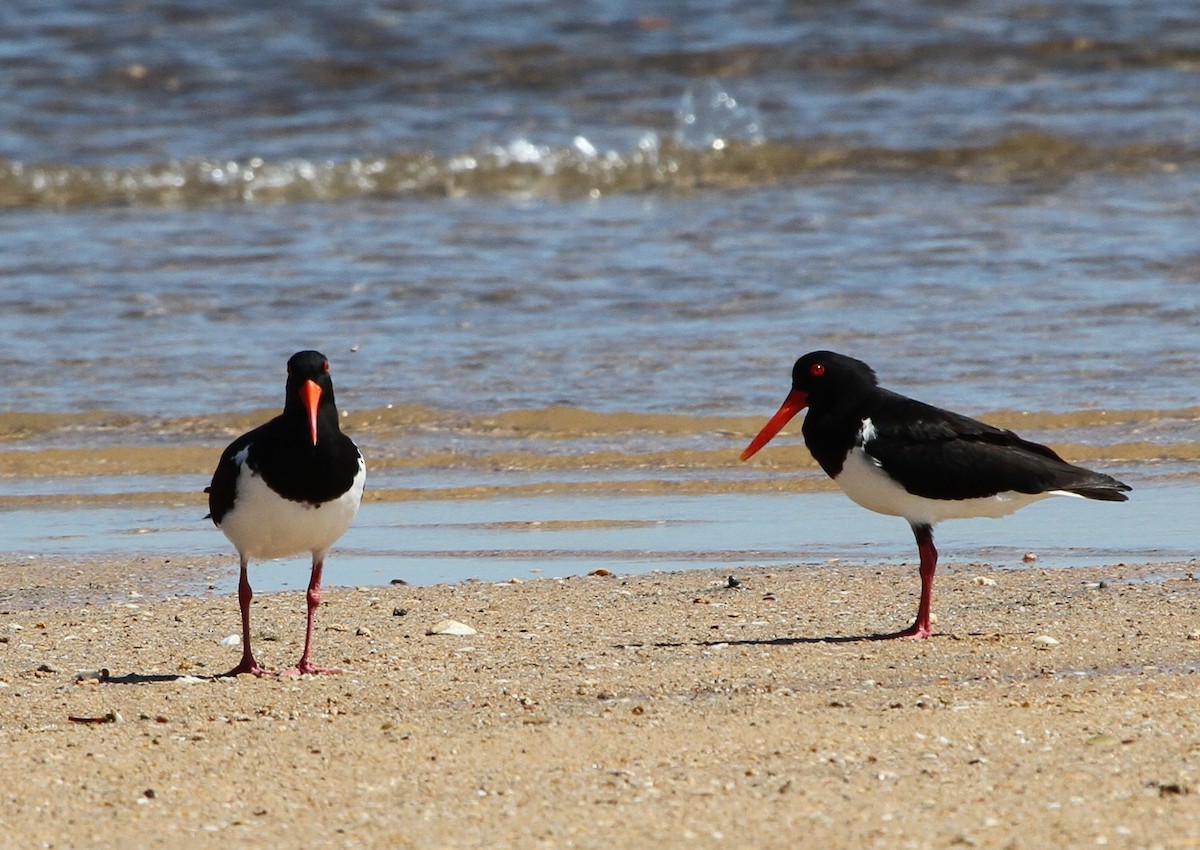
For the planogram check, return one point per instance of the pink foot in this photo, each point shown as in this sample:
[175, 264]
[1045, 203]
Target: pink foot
[248, 666]
[913, 631]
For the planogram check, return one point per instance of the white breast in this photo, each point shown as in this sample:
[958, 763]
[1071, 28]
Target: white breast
[865, 482]
[262, 524]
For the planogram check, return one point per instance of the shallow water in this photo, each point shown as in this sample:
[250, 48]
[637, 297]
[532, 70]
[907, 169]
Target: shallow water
[965, 294]
[522, 233]
[497, 539]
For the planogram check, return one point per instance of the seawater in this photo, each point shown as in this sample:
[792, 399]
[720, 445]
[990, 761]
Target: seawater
[544, 207]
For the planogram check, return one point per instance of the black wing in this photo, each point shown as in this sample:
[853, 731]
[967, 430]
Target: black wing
[223, 490]
[939, 454]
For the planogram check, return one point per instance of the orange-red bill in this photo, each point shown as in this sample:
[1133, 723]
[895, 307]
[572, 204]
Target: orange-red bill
[793, 404]
[310, 394]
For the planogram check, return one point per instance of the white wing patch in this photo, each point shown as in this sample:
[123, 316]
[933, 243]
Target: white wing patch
[866, 434]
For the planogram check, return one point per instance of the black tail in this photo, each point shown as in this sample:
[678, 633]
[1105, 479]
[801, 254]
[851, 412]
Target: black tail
[1105, 488]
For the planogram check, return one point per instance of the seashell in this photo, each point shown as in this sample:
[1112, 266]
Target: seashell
[451, 627]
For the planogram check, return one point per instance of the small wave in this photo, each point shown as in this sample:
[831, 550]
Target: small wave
[524, 168]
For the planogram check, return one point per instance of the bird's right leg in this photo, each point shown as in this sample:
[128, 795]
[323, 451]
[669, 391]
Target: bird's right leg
[245, 595]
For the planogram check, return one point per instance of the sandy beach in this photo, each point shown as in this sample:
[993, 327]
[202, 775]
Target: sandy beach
[562, 259]
[1052, 708]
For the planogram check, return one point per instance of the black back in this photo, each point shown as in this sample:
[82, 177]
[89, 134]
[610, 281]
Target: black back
[931, 452]
[282, 451]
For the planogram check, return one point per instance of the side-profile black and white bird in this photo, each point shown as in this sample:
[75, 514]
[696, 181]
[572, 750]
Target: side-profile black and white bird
[291, 485]
[901, 457]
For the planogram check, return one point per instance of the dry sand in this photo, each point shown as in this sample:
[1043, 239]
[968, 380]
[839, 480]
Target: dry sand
[649, 711]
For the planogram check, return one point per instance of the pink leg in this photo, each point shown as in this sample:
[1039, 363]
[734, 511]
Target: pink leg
[921, 627]
[245, 595]
[313, 597]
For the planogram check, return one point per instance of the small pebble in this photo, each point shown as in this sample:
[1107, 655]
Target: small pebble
[231, 640]
[983, 581]
[1029, 557]
[1171, 789]
[363, 631]
[1045, 641]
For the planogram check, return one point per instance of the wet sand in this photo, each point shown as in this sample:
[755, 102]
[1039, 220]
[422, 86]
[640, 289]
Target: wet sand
[1051, 709]
[417, 453]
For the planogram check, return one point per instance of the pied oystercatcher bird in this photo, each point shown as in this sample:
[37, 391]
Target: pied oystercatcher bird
[901, 457]
[290, 485]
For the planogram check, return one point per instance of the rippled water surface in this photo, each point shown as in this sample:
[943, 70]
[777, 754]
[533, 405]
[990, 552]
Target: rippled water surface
[521, 209]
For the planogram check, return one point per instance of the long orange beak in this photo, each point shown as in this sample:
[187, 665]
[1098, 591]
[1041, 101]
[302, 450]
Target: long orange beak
[310, 394]
[793, 404]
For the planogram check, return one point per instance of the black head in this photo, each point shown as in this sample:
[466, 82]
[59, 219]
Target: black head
[822, 375]
[309, 389]
[304, 365]
[819, 378]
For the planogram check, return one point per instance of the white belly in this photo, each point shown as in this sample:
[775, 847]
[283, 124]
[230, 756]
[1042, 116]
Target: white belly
[262, 524]
[864, 482]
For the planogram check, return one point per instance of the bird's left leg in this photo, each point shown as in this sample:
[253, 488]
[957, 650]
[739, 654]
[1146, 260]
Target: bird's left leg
[921, 627]
[313, 599]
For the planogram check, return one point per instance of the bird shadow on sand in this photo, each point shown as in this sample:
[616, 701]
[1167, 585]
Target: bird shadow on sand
[149, 678]
[782, 641]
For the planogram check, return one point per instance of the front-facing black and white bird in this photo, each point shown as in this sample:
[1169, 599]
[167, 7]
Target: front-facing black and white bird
[901, 457]
[289, 486]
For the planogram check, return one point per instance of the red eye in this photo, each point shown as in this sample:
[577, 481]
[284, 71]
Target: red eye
[326, 366]
[816, 370]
